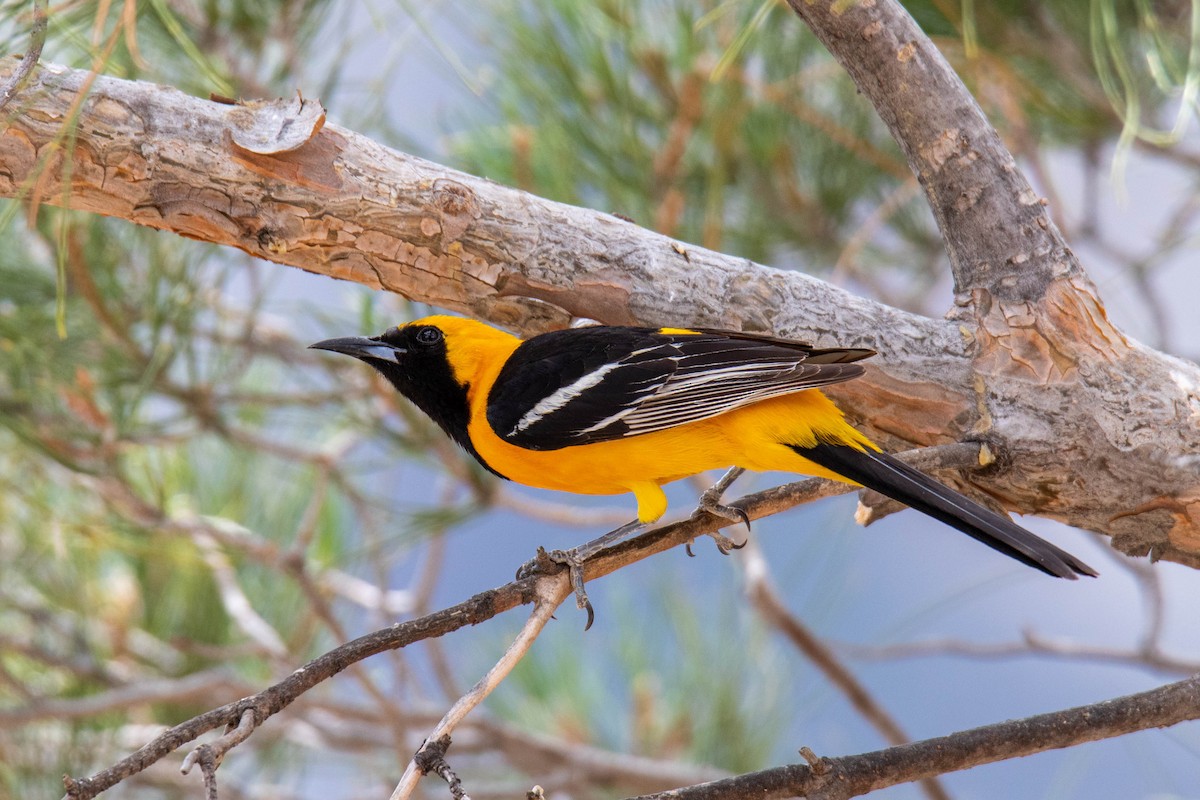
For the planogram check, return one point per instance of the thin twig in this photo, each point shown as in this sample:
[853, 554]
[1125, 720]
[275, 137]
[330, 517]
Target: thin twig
[847, 264]
[1149, 584]
[320, 606]
[588, 765]
[431, 570]
[37, 40]
[194, 688]
[558, 513]
[1031, 644]
[209, 756]
[274, 699]
[550, 593]
[235, 602]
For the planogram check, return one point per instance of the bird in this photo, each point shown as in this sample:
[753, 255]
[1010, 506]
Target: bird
[606, 410]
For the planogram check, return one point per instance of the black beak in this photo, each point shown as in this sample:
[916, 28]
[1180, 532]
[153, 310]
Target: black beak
[362, 348]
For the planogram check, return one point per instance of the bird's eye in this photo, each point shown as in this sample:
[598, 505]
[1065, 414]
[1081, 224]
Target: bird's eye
[429, 336]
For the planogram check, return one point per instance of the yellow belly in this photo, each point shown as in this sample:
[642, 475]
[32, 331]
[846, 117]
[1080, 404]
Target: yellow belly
[754, 437]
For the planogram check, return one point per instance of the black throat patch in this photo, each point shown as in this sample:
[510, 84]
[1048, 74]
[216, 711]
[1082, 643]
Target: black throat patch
[427, 380]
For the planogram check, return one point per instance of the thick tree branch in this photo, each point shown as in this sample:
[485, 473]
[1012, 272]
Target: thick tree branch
[1042, 341]
[1089, 427]
[852, 776]
[345, 206]
[997, 232]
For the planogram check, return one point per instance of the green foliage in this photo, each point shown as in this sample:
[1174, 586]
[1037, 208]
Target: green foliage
[229, 47]
[1073, 72]
[122, 439]
[724, 125]
[677, 691]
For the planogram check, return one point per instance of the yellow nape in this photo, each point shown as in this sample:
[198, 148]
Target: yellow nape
[476, 351]
[461, 327]
[678, 331]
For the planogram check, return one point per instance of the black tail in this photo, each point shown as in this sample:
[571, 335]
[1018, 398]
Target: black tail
[892, 477]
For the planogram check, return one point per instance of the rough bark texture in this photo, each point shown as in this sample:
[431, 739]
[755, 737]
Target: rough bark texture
[1060, 390]
[1090, 427]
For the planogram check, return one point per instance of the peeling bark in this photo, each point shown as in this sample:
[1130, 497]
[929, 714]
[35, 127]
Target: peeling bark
[1089, 427]
[1073, 402]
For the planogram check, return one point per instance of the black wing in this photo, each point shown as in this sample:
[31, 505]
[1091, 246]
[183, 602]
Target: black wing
[594, 384]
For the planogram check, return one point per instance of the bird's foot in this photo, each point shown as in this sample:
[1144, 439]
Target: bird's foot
[724, 543]
[573, 561]
[574, 565]
[710, 502]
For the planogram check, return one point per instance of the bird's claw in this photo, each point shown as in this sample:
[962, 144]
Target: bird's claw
[710, 502]
[731, 513]
[724, 544]
[539, 565]
[573, 561]
[574, 566]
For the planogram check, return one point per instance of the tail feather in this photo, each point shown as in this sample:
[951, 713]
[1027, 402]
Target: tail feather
[892, 477]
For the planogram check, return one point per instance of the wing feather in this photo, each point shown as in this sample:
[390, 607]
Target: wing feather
[595, 384]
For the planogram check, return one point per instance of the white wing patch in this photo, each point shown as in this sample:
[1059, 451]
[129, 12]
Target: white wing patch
[555, 401]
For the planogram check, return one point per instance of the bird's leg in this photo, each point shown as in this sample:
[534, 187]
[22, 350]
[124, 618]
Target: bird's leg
[710, 502]
[588, 549]
[573, 560]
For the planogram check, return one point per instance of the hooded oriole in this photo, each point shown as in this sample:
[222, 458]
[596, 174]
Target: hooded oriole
[609, 410]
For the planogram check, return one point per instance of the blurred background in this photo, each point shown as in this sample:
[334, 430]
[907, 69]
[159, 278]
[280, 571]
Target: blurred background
[192, 505]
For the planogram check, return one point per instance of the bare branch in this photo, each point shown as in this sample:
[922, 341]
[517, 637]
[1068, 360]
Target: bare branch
[558, 513]
[1031, 644]
[209, 756]
[538, 752]
[852, 776]
[275, 698]
[235, 602]
[190, 688]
